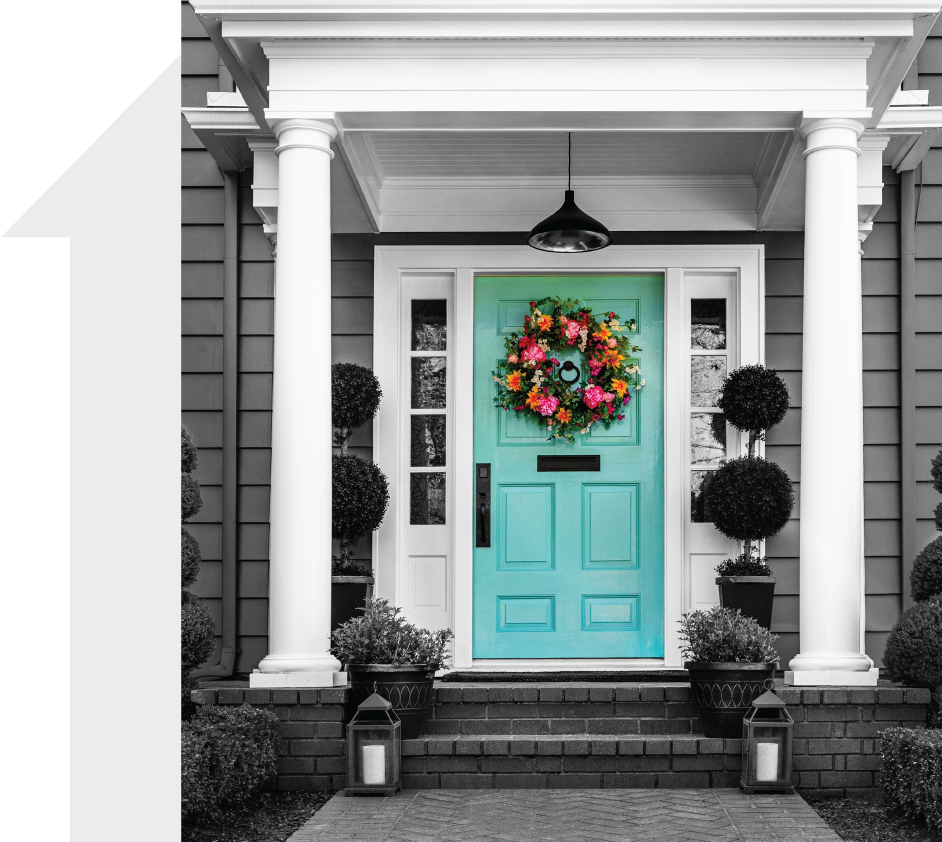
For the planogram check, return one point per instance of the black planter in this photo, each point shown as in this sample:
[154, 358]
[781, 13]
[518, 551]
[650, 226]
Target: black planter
[750, 594]
[407, 687]
[347, 596]
[724, 693]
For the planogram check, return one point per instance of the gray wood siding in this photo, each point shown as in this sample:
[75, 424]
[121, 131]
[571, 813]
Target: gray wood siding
[352, 315]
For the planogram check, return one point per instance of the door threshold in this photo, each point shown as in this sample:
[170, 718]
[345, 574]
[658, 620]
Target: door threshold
[609, 670]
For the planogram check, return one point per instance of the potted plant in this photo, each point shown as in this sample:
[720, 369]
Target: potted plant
[750, 498]
[351, 584]
[360, 490]
[383, 653]
[731, 661]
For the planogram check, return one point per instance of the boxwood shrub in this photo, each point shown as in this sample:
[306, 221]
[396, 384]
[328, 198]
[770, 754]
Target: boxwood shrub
[188, 458]
[190, 558]
[926, 576]
[360, 498]
[227, 754]
[190, 500]
[912, 772]
[355, 397]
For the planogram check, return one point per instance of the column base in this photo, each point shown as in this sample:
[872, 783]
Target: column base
[832, 678]
[297, 679]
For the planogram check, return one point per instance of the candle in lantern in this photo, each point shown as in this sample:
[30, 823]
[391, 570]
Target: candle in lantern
[766, 762]
[374, 764]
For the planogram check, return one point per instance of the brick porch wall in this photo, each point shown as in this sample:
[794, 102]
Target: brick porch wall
[592, 736]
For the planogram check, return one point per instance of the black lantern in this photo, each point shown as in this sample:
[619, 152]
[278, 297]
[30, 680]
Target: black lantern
[374, 749]
[767, 733]
[569, 229]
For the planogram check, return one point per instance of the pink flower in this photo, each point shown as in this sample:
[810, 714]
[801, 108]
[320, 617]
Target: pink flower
[608, 397]
[548, 405]
[512, 358]
[593, 396]
[534, 354]
[595, 366]
[612, 343]
[572, 330]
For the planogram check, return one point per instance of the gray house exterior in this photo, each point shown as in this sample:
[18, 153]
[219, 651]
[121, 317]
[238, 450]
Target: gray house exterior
[228, 340]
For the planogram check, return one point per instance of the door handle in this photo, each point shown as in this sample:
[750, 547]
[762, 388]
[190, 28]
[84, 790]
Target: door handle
[483, 505]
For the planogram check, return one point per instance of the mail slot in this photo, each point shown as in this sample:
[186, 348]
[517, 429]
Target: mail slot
[568, 463]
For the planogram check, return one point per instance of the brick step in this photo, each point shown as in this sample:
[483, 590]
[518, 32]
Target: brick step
[530, 708]
[588, 761]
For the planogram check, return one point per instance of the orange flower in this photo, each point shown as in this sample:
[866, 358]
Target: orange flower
[564, 416]
[545, 323]
[614, 359]
[619, 387]
[513, 381]
[603, 333]
[533, 398]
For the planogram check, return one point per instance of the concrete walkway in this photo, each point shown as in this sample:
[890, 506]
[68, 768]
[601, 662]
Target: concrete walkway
[575, 815]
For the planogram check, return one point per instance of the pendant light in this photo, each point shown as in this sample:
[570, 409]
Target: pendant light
[569, 229]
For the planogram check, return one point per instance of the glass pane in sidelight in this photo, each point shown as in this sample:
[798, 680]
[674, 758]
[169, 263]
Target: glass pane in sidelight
[428, 382]
[428, 441]
[428, 324]
[707, 439]
[706, 380]
[708, 323]
[697, 487]
[427, 499]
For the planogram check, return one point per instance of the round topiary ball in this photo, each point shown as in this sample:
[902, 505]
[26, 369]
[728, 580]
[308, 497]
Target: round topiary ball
[913, 652]
[749, 498]
[190, 558]
[926, 576]
[754, 398]
[937, 472]
[360, 497]
[188, 457]
[197, 632]
[190, 500]
[354, 395]
[938, 517]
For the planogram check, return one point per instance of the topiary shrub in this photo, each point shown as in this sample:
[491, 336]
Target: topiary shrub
[724, 635]
[936, 472]
[227, 754]
[354, 399]
[911, 773]
[938, 517]
[198, 631]
[190, 500]
[188, 459]
[190, 558]
[750, 499]
[926, 576]
[360, 498]
[913, 654]
[754, 399]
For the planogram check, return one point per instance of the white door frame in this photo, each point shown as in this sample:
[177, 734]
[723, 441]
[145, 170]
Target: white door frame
[454, 268]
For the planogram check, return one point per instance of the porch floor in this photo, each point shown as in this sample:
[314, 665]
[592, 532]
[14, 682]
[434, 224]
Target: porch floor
[516, 815]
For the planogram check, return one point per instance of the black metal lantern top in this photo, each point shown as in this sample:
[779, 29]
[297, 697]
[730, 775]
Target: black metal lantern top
[768, 707]
[375, 709]
[570, 229]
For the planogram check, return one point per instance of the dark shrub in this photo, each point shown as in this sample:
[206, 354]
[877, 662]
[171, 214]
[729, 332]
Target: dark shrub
[911, 774]
[227, 754]
[937, 472]
[187, 452]
[197, 631]
[938, 517]
[360, 497]
[724, 635]
[754, 398]
[750, 499]
[743, 565]
[190, 558]
[349, 568]
[913, 654]
[355, 395]
[926, 578]
[190, 500]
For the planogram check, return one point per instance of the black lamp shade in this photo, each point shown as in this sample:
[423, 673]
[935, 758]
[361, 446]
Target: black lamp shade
[569, 230]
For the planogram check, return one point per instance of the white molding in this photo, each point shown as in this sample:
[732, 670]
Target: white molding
[911, 120]
[390, 262]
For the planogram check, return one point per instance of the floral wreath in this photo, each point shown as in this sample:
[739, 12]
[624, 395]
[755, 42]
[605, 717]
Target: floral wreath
[532, 382]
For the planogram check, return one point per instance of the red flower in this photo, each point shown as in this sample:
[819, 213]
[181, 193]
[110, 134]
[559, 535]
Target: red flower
[533, 304]
[526, 341]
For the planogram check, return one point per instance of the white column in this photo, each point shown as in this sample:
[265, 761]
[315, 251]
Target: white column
[831, 511]
[300, 545]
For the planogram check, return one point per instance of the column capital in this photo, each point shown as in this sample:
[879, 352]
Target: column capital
[300, 132]
[832, 133]
[818, 123]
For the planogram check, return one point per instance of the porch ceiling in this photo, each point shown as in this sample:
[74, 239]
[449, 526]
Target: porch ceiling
[631, 180]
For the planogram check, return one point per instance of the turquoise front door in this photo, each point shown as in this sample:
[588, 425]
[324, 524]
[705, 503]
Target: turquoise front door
[575, 566]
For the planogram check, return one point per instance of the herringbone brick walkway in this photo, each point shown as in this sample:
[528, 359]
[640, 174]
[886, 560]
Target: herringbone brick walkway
[515, 815]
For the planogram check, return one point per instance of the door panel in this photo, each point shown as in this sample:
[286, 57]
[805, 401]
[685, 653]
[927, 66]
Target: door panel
[576, 567]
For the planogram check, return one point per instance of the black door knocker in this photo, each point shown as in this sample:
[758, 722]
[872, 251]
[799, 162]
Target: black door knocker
[567, 367]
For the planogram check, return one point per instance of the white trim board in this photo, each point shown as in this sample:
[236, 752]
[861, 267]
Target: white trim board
[454, 268]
